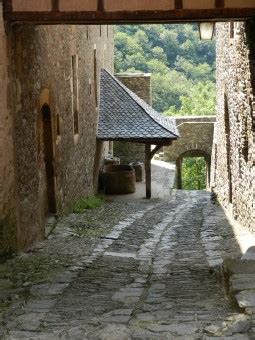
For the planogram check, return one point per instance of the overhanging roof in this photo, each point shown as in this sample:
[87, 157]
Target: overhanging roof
[123, 116]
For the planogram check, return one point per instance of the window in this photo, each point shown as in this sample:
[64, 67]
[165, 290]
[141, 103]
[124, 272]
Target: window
[95, 75]
[90, 88]
[228, 146]
[75, 90]
[58, 125]
[245, 141]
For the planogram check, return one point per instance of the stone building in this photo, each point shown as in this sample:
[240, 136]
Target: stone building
[233, 157]
[49, 78]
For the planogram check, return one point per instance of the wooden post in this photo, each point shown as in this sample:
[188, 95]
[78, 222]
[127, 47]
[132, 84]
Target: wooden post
[148, 157]
[148, 170]
[179, 173]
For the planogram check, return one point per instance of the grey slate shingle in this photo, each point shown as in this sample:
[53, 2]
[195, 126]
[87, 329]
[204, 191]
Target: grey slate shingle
[125, 116]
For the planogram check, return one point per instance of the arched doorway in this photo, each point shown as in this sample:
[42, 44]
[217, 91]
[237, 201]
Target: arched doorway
[49, 157]
[193, 154]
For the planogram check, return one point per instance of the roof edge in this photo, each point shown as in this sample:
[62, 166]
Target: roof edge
[128, 92]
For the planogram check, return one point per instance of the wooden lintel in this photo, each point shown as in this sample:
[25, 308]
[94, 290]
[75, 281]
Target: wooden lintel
[101, 17]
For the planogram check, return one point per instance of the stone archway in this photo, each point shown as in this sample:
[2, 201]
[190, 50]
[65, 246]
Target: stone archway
[193, 153]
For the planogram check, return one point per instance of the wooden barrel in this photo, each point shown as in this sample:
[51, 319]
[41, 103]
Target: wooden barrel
[138, 171]
[119, 179]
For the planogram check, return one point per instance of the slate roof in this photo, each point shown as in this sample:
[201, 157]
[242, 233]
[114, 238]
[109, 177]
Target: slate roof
[125, 116]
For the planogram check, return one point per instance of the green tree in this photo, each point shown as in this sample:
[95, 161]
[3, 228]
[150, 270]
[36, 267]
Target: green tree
[194, 173]
[182, 66]
[199, 101]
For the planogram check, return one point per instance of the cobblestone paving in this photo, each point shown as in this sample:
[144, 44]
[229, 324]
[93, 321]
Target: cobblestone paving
[152, 276]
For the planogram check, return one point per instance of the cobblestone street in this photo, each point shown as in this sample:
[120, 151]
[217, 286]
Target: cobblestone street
[149, 272]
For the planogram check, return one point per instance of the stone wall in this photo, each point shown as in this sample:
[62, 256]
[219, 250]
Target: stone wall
[54, 67]
[196, 134]
[233, 151]
[7, 178]
[140, 84]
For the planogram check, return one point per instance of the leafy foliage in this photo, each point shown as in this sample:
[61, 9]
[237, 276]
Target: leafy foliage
[194, 173]
[182, 66]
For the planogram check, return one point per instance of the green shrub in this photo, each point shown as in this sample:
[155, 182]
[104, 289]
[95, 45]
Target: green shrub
[87, 203]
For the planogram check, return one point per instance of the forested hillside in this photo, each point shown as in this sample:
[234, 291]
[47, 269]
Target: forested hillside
[182, 66]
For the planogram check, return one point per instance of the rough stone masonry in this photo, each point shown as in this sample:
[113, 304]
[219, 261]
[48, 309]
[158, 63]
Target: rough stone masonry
[233, 158]
[48, 121]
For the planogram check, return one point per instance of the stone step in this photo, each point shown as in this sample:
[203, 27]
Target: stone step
[240, 280]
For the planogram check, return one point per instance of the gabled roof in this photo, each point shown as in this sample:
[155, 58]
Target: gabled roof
[125, 116]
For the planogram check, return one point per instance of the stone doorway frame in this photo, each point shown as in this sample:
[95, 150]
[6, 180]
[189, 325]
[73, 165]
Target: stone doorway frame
[49, 159]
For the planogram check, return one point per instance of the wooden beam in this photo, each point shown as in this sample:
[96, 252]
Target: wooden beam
[148, 157]
[156, 149]
[55, 5]
[100, 17]
[162, 142]
[179, 173]
[148, 170]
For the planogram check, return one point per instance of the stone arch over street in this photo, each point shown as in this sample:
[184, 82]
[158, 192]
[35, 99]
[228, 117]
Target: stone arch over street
[196, 141]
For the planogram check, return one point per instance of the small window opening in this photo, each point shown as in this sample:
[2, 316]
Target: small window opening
[75, 90]
[107, 31]
[87, 32]
[100, 30]
[228, 147]
[95, 75]
[90, 87]
[58, 125]
[245, 143]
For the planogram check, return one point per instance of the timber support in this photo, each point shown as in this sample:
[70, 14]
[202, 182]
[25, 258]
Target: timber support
[148, 157]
